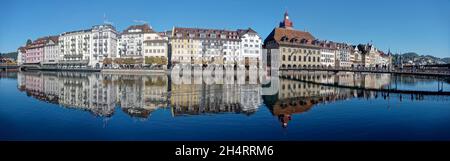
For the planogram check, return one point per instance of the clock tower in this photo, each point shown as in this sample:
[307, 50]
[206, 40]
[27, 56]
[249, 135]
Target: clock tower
[286, 22]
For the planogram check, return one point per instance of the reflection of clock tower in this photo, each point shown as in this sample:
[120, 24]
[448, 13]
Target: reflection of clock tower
[286, 22]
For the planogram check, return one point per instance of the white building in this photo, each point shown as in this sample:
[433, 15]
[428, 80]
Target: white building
[51, 51]
[88, 48]
[343, 56]
[104, 44]
[75, 48]
[327, 55]
[21, 55]
[131, 41]
[251, 47]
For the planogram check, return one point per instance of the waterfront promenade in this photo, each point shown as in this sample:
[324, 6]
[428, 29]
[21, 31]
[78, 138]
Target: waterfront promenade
[297, 75]
[428, 72]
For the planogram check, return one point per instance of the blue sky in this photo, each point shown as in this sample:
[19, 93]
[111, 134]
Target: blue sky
[401, 25]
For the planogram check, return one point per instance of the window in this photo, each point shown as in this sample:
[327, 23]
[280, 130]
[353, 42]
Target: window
[284, 57]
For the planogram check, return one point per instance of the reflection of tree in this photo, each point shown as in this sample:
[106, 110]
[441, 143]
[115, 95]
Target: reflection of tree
[157, 82]
[156, 60]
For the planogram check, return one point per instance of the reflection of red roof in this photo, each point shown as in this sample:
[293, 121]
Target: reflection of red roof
[287, 108]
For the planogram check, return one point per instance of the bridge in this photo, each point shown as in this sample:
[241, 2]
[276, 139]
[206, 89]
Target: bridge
[441, 72]
[295, 76]
[8, 67]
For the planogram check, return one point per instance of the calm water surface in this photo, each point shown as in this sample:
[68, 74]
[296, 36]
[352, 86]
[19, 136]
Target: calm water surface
[95, 106]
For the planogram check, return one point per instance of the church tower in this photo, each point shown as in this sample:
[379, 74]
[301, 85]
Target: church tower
[286, 22]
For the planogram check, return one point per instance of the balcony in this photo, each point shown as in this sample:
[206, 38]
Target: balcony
[73, 56]
[68, 62]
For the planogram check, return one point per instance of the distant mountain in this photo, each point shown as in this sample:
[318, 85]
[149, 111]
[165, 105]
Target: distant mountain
[414, 58]
[410, 54]
[12, 55]
[446, 60]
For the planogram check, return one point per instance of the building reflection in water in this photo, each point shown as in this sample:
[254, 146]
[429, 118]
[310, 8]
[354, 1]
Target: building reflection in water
[297, 97]
[137, 95]
[140, 95]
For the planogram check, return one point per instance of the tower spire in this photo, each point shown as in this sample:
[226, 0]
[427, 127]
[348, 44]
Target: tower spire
[286, 22]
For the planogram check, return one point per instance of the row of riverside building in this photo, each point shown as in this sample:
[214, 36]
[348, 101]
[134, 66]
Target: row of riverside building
[139, 45]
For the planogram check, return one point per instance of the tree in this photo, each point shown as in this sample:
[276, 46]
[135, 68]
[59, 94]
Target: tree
[29, 42]
[118, 61]
[149, 60]
[164, 61]
[129, 61]
[107, 61]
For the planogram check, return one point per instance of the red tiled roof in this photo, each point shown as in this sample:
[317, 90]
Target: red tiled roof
[144, 29]
[194, 33]
[40, 42]
[22, 49]
[291, 37]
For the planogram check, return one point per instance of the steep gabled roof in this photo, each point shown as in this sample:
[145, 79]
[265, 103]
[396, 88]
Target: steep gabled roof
[290, 37]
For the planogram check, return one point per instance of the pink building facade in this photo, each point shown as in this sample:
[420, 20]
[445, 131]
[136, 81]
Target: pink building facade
[35, 51]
